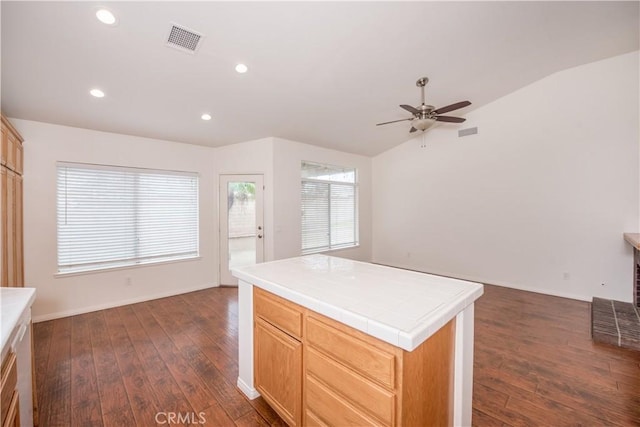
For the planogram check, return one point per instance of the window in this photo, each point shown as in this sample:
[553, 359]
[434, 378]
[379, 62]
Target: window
[114, 216]
[328, 207]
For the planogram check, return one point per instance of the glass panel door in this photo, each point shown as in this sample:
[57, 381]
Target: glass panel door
[241, 228]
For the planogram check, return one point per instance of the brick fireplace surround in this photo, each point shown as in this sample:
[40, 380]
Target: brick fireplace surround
[634, 240]
[615, 322]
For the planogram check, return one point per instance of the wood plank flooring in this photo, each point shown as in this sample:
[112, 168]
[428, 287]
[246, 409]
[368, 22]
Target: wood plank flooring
[141, 364]
[535, 364]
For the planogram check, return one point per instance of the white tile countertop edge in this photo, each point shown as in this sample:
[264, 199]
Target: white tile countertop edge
[286, 279]
[13, 303]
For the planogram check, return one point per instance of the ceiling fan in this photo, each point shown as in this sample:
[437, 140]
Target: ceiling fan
[426, 115]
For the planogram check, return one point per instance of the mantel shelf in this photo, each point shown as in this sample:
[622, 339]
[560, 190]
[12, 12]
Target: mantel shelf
[633, 239]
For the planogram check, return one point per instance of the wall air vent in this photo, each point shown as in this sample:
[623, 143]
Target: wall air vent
[184, 39]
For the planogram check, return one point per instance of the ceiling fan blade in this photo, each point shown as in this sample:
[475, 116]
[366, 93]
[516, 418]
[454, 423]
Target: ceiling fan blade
[394, 121]
[410, 109]
[413, 129]
[450, 119]
[452, 107]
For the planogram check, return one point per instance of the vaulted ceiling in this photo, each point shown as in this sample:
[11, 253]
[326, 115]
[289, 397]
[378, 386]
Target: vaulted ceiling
[323, 73]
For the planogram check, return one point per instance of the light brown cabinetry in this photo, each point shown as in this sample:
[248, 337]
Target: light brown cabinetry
[11, 229]
[8, 394]
[279, 371]
[13, 416]
[348, 377]
[278, 356]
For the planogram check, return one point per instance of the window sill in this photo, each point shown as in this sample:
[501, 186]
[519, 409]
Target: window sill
[124, 267]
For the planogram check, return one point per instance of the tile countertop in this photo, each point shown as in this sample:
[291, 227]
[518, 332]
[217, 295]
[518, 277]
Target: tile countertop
[401, 307]
[13, 303]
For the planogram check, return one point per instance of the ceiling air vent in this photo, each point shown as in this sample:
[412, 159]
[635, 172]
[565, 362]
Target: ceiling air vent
[183, 38]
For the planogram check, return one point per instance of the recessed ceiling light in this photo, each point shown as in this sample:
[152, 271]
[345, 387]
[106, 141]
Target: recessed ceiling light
[205, 116]
[106, 16]
[97, 93]
[241, 68]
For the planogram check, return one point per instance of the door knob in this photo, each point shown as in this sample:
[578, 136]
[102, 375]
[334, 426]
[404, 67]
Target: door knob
[259, 236]
[259, 227]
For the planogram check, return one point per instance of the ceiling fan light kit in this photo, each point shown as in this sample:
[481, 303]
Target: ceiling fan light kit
[422, 124]
[424, 116]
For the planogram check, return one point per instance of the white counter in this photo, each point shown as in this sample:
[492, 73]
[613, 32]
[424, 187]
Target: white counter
[397, 306]
[400, 307]
[14, 302]
[15, 335]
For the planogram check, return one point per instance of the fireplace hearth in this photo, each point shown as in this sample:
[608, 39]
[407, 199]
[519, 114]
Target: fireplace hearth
[616, 323]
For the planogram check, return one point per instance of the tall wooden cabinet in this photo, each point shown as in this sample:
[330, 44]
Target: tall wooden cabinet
[11, 243]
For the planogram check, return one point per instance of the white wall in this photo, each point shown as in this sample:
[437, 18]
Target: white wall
[546, 187]
[276, 159]
[287, 158]
[45, 144]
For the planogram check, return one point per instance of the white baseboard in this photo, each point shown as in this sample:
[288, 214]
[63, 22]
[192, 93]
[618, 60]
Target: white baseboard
[491, 282]
[250, 392]
[67, 313]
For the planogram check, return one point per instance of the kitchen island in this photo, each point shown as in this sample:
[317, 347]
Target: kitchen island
[16, 389]
[329, 340]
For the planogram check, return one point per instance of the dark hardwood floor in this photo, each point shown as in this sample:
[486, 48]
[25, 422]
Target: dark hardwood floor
[535, 364]
[177, 357]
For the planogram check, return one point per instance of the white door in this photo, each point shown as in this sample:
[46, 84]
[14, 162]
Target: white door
[241, 225]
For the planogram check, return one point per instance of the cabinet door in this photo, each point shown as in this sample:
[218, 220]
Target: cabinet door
[18, 256]
[278, 371]
[11, 243]
[19, 160]
[10, 155]
[4, 144]
[7, 227]
[4, 247]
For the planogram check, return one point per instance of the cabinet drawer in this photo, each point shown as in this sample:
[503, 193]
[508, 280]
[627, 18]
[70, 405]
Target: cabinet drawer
[13, 413]
[365, 395]
[280, 313]
[7, 383]
[312, 420]
[352, 352]
[332, 410]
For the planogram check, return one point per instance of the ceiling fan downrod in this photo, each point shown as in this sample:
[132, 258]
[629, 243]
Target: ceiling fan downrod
[421, 83]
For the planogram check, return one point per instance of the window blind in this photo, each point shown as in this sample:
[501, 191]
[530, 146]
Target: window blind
[328, 207]
[114, 216]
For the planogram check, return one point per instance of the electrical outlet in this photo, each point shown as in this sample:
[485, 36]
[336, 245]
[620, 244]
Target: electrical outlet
[128, 281]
